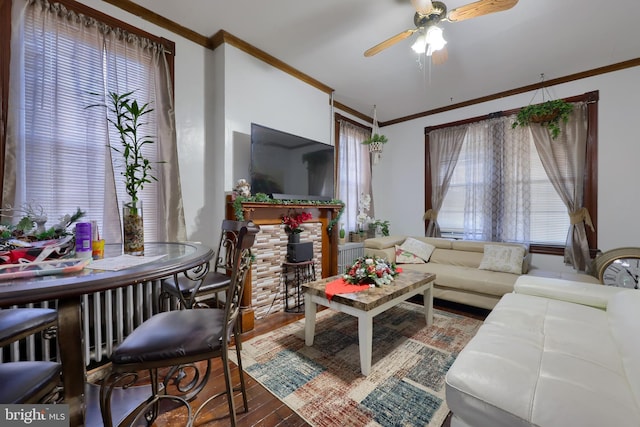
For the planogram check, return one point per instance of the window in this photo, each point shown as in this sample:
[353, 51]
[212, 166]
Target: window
[525, 197]
[59, 149]
[500, 191]
[354, 168]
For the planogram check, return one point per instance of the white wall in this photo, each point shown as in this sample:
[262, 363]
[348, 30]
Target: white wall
[255, 92]
[398, 179]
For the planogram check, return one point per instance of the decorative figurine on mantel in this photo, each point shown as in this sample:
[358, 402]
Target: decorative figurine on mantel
[242, 188]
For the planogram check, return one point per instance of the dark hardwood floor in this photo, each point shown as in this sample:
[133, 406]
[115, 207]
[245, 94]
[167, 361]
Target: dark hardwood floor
[266, 410]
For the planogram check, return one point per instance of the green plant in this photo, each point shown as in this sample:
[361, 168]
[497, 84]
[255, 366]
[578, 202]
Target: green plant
[342, 232]
[264, 198]
[31, 226]
[127, 120]
[384, 226]
[548, 114]
[375, 138]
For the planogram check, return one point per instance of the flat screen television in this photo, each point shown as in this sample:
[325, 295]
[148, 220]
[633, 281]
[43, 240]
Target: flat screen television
[287, 166]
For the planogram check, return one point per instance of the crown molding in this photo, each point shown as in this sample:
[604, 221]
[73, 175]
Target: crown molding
[224, 37]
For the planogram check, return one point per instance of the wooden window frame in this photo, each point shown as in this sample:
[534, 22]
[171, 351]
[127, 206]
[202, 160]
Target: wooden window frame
[590, 175]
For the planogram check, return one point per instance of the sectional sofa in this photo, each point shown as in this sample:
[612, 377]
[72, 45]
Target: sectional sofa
[554, 353]
[475, 273]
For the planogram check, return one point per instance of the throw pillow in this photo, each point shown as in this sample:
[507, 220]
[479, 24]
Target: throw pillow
[406, 257]
[507, 259]
[418, 248]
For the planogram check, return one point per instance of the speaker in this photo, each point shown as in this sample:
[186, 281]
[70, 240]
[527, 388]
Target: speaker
[299, 252]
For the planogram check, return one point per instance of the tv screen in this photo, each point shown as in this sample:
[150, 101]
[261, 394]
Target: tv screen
[286, 166]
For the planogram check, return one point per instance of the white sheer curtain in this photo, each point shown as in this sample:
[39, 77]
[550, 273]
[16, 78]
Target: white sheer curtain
[564, 159]
[354, 171]
[498, 165]
[444, 149]
[488, 181]
[57, 150]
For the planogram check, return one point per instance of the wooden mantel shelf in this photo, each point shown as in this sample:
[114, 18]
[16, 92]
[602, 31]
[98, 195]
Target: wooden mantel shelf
[263, 213]
[249, 207]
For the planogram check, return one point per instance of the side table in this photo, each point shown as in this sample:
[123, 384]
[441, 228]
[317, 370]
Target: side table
[293, 275]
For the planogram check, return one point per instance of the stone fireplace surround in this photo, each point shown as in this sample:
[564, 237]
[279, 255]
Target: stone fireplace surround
[263, 292]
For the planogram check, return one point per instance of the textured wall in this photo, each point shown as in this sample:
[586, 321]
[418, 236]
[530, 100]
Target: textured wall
[270, 251]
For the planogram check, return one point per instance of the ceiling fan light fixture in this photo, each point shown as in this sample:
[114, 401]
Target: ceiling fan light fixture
[434, 39]
[420, 45]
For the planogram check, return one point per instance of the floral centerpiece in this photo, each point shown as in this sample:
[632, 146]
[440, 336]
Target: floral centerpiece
[373, 270]
[292, 222]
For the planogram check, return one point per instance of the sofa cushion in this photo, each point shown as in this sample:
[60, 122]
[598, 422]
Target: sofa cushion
[585, 293]
[468, 278]
[384, 242]
[456, 258]
[438, 242]
[542, 362]
[507, 259]
[405, 257]
[418, 248]
[387, 253]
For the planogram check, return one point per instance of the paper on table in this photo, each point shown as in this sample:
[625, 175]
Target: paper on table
[122, 262]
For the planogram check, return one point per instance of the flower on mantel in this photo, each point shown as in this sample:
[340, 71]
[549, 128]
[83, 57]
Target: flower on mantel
[373, 270]
[292, 222]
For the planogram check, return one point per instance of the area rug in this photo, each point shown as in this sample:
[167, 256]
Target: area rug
[323, 383]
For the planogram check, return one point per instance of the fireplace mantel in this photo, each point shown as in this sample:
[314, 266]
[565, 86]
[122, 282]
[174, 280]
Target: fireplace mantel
[270, 214]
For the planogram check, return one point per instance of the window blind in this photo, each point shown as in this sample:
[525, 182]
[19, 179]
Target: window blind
[66, 145]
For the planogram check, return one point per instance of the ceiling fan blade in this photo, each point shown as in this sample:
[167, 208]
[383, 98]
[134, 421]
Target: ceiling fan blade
[479, 8]
[389, 42]
[423, 7]
[440, 56]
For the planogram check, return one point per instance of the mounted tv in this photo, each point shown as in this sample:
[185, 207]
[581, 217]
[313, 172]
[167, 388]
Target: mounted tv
[286, 166]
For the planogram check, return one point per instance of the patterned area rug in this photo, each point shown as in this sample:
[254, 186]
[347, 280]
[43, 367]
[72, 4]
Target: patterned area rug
[323, 383]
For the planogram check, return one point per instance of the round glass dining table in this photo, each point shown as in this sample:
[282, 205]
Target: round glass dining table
[68, 289]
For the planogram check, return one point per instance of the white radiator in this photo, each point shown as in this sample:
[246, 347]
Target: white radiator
[347, 253]
[107, 318]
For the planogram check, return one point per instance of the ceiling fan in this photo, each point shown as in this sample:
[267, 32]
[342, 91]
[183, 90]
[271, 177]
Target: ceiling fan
[426, 19]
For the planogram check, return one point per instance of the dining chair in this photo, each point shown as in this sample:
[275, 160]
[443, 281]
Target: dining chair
[194, 287]
[28, 381]
[169, 344]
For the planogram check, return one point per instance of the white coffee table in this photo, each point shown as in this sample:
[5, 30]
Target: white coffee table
[365, 305]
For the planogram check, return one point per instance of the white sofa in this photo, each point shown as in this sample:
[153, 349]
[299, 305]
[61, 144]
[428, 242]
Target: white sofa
[554, 353]
[456, 266]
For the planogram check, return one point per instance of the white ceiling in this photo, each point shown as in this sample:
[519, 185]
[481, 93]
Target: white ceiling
[326, 39]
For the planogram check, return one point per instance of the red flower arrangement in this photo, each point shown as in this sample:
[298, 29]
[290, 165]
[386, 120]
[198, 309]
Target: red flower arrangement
[292, 223]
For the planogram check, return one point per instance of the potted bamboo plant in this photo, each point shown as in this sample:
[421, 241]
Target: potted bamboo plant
[128, 120]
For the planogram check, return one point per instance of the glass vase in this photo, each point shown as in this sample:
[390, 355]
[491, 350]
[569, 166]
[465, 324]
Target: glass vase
[133, 228]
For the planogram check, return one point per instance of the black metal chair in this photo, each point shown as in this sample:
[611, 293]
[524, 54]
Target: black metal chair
[196, 286]
[168, 344]
[28, 381]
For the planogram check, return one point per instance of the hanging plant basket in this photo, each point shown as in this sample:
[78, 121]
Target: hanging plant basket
[375, 147]
[547, 114]
[543, 118]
